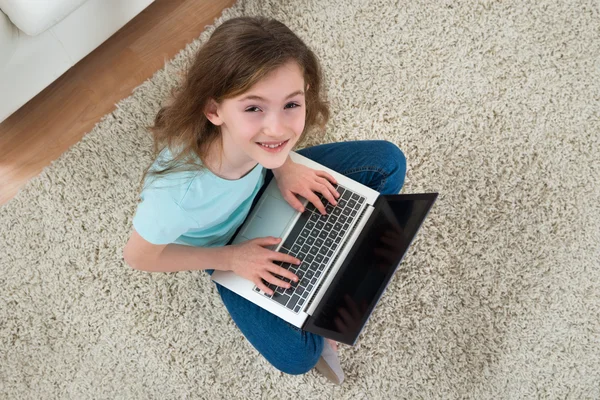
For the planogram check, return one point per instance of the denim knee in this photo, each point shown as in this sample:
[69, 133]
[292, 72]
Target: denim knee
[300, 360]
[395, 166]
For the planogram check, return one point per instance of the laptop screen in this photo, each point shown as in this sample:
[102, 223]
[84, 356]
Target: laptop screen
[369, 266]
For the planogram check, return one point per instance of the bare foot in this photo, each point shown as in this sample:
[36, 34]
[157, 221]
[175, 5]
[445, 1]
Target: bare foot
[333, 344]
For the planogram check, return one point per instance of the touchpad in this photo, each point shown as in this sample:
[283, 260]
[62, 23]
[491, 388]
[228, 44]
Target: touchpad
[271, 219]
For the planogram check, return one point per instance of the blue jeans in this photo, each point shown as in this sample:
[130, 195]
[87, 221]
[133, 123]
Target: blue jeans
[374, 163]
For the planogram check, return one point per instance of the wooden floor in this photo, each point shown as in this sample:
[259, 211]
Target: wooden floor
[59, 116]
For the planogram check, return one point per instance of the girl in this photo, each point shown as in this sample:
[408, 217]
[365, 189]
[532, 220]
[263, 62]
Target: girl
[252, 93]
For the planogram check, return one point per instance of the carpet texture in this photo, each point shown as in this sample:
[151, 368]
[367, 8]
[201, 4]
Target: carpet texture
[496, 106]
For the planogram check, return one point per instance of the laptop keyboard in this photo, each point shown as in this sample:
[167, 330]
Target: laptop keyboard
[313, 240]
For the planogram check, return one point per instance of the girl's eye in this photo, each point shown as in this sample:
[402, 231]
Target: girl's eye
[252, 109]
[293, 105]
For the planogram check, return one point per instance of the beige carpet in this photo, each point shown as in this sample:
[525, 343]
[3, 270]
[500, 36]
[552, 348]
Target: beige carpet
[495, 104]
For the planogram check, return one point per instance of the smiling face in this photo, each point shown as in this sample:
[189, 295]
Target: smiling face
[263, 124]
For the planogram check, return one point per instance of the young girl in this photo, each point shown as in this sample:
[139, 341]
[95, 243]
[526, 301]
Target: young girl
[251, 94]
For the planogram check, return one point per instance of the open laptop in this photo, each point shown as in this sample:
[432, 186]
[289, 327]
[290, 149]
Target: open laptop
[348, 256]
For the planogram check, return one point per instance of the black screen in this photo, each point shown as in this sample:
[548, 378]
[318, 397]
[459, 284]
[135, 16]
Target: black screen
[369, 266]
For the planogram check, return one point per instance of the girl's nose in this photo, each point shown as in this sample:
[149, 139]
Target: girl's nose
[275, 125]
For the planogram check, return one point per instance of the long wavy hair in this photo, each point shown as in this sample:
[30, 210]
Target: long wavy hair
[239, 53]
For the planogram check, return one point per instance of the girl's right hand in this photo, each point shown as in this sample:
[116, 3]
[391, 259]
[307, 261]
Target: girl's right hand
[251, 260]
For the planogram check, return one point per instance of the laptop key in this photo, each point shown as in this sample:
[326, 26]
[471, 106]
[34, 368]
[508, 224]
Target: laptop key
[351, 203]
[346, 212]
[296, 249]
[300, 240]
[320, 225]
[347, 194]
[310, 240]
[328, 242]
[297, 230]
[293, 301]
[309, 258]
[355, 196]
[305, 232]
[323, 250]
[323, 235]
[314, 217]
[313, 250]
[281, 298]
[296, 309]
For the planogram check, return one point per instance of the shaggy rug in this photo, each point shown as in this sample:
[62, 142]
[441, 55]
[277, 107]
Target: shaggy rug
[496, 106]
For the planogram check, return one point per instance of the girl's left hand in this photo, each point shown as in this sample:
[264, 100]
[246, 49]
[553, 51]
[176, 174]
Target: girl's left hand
[297, 179]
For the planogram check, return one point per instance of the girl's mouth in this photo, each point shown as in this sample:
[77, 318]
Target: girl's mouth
[274, 147]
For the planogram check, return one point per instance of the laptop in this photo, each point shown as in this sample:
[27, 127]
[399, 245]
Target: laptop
[348, 255]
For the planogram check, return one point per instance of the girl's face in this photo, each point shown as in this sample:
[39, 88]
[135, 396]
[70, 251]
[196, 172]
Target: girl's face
[263, 124]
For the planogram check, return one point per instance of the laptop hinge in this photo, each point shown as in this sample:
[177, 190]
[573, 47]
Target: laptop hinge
[337, 262]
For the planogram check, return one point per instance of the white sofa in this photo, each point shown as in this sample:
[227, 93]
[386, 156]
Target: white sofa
[42, 39]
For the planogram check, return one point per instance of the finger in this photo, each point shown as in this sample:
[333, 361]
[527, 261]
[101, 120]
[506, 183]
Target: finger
[285, 273]
[293, 201]
[277, 256]
[327, 176]
[353, 308]
[262, 286]
[390, 241]
[340, 325]
[315, 200]
[328, 191]
[267, 241]
[346, 317]
[269, 277]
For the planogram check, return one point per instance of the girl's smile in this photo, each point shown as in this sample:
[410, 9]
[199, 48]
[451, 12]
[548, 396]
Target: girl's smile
[273, 147]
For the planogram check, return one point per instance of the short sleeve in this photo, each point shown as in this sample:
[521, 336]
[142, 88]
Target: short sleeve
[160, 220]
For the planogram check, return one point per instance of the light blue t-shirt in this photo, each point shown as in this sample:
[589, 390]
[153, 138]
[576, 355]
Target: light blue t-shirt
[195, 208]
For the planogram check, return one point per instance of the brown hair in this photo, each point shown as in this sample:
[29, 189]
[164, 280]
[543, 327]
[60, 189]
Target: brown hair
[239, 53]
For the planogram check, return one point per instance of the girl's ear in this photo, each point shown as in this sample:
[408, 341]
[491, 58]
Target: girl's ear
[211, 110]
